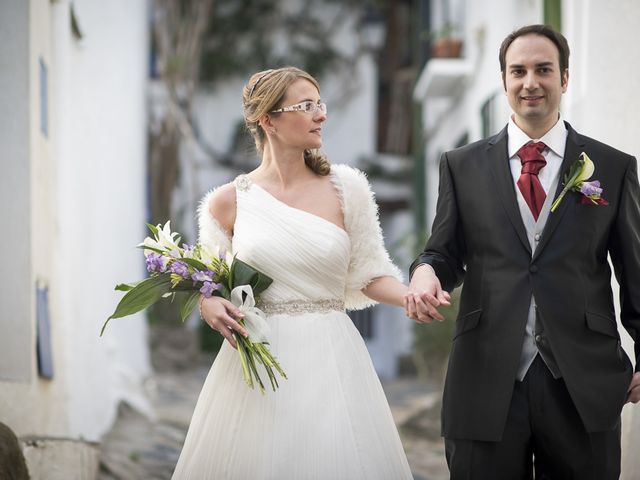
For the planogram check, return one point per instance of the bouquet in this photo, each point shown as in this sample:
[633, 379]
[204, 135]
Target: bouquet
[192, 270]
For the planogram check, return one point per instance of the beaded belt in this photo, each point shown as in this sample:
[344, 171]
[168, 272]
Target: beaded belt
[290, 307]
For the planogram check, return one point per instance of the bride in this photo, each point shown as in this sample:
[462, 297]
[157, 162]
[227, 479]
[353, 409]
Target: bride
[313, 228]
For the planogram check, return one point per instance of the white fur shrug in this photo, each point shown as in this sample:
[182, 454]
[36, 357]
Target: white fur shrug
[369, 258]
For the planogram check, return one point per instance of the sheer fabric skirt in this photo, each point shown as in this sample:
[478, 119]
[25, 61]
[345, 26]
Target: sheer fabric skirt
[330, 420]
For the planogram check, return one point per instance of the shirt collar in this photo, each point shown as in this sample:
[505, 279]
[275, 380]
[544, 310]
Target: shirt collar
[555, 139]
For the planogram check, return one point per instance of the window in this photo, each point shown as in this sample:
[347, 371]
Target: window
[44, 107]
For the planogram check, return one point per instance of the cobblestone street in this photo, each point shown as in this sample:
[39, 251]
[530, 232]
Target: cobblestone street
[147, 448]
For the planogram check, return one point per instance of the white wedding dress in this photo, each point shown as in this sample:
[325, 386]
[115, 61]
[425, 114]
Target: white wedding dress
[330, 420]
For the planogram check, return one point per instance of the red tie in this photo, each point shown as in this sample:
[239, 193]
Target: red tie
[529, 183]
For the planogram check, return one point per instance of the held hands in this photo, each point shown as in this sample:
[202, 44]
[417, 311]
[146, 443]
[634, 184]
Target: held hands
[425, 296]
[633, 394]
[221, 315]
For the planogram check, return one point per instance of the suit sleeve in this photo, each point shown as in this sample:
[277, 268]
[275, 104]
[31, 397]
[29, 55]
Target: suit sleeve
[625, 255]
[445, 249]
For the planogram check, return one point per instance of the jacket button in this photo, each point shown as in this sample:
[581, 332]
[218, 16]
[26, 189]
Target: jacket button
[533, 268]
[538, 338]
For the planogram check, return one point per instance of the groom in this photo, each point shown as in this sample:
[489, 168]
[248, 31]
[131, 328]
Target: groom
[537, 376]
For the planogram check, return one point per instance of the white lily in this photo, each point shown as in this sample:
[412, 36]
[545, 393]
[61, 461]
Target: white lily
[208, 254]
[150, 242]
[167, 238]
[254, 318]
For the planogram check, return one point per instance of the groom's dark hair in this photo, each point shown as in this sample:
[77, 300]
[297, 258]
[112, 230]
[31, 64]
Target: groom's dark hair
[546, 31]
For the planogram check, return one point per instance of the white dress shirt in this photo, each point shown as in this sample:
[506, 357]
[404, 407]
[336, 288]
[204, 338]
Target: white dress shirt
[555, 140]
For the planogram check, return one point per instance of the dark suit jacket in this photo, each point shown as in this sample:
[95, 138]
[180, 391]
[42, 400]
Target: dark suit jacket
[478, 236]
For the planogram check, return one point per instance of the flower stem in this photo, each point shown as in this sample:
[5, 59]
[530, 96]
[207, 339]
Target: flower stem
[557, 201]
[244, 362]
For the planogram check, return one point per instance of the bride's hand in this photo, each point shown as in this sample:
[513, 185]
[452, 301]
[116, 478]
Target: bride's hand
[221, 315]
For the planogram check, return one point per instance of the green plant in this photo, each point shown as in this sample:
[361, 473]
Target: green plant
[446, 30]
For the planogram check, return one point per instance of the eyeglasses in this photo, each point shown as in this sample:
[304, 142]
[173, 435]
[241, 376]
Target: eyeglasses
[306, 107]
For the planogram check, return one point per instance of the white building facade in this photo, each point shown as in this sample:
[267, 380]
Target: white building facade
[463, 99]
[73, 154]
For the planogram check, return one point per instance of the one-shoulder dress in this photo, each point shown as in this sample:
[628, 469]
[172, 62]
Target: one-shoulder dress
[330, 420]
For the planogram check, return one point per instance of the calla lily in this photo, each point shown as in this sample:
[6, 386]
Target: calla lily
[254, 318]
[587, 169]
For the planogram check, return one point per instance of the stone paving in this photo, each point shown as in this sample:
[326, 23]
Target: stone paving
[147, 448]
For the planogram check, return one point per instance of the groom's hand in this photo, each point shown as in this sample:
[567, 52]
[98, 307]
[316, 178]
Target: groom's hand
[425, 296]
[633, 394]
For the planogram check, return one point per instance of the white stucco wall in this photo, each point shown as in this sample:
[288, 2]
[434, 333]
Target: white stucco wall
[87, 214]
[101, 150]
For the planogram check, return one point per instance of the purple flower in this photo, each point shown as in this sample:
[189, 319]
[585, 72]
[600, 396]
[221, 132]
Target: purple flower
[199, 276]
[208, 288]
[591, 189]
[155, 262]
[188, 250]
[180, 268]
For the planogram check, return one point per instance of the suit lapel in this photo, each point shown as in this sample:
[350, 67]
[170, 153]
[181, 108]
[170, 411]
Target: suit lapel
[499, 162]
[572, 150]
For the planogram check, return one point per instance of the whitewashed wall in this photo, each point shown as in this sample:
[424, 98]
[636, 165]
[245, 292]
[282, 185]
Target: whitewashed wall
[102, 154]
[87, 214]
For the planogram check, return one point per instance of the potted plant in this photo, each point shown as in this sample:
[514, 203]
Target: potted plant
[445, 42]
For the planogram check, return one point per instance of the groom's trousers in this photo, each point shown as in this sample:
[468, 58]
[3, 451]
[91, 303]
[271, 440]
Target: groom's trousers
[544, 438]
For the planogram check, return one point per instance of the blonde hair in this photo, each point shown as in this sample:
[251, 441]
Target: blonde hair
[263, 93]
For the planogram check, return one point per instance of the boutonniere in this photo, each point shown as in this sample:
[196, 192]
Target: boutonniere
[576, 180]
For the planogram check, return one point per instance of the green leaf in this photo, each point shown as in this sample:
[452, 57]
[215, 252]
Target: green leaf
[125, 287]
[185, 286]
[153, 229]
[153, 249]
[141, 296]
[244, 274]
[195, 263]
[224, 292]
[189, 304]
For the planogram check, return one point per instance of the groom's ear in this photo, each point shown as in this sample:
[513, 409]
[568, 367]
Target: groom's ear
[564, 80]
